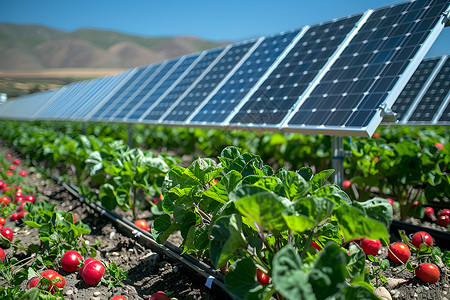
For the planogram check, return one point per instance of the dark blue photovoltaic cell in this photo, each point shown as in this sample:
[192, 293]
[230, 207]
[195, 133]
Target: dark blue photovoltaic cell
[280, 91]
[413, 87]
[359, 81]
[173, 72]
[165, 103]
[446, 114]
[106, 106]
[177, 73]
[133, 87]
[217, 109]
[208, 83]
[432, 99]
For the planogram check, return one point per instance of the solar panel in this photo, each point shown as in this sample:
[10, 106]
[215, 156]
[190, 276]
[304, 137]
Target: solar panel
[276, 95]
[119, 93]
[434, 96]
[184, 107]
[130, 88]
[368, 70]
[163, 103]
[338, 77]
[217, 108]
[23, 107]
[414, 87]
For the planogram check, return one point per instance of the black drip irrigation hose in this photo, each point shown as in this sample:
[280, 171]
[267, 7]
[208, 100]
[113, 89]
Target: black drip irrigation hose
[213, 277]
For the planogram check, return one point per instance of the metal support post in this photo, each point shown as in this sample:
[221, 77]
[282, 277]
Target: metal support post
[338, 159]
[130, 135]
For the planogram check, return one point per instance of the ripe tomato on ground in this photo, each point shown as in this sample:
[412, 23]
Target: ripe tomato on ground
[7, 233]
[370, 247]
[5, 200]
[2, 221]
[92, 271]
[71, 260]
[443, 220]
[2, 254]
[400, 250]
[422, 237]
[428, 273]
[159, 295]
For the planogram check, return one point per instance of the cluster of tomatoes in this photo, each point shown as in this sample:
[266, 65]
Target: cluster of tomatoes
[444, 216]
[400, 253]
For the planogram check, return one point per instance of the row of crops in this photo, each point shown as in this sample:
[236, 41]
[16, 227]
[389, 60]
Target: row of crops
[245, 210]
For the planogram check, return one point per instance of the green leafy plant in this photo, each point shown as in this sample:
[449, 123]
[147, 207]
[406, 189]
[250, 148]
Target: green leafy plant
[255, 218]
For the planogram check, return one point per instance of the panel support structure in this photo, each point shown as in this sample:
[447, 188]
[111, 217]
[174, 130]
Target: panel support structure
[337, 162]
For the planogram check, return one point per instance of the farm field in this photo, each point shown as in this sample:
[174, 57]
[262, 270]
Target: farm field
[207, 207]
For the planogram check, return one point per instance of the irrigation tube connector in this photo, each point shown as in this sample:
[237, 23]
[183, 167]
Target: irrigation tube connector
[168, 249]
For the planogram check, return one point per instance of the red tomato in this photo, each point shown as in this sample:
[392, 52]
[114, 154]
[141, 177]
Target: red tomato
[400, 250]
[7, 233]
[8, 156]
[428, 273]
[92, 272]
[13, 216]
[422, 237]
[12, 167]
[117, 297]
[346, 184]
[142, 224]
[439, 146]
[30, 198]
[51, 274]
[2, 221]
[370, 247]
[429, 211]
[445, 212]
[159, 295]
[5, 200]
[33, 282]
[262, 277]
[391, 201]
[443, 220]
[2, 254]
[315, 245]
[71, 260]
[16, 162]
[23, 173]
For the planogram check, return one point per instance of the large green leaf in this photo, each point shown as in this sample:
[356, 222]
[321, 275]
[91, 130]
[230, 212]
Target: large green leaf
[265, 209]
[289, 277]
[293, 186]
[328, 277]
[227, 237]
[307, 213]
[163, 227]
[354, 224]
[320, 179]
[333, 192]
[241, 279]
[379, 209]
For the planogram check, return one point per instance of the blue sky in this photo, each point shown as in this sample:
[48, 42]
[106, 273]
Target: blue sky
[230, 20]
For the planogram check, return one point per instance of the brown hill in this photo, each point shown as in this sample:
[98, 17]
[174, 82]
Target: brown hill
[39, 47]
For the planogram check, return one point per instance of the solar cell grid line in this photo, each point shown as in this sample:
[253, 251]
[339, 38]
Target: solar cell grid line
[219, 106]
[413, 87]
[177, 75]
[142, 90]
[159, 83]
[112, 83]
[25, 106]
[269, 105]
[434, 96]
[133, 86]
[107, 108]
[165, 101]
[178, 116]
[59, 92]
[90, 87]
[66, 95]
[366, 76]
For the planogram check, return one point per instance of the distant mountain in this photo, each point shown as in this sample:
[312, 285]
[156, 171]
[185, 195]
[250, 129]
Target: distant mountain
[40, 47]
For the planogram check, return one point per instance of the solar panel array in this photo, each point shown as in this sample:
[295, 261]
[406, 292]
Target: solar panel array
[426, 97]
[335, 77]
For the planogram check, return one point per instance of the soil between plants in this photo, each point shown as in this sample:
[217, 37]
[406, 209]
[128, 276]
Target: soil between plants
[149, 272]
